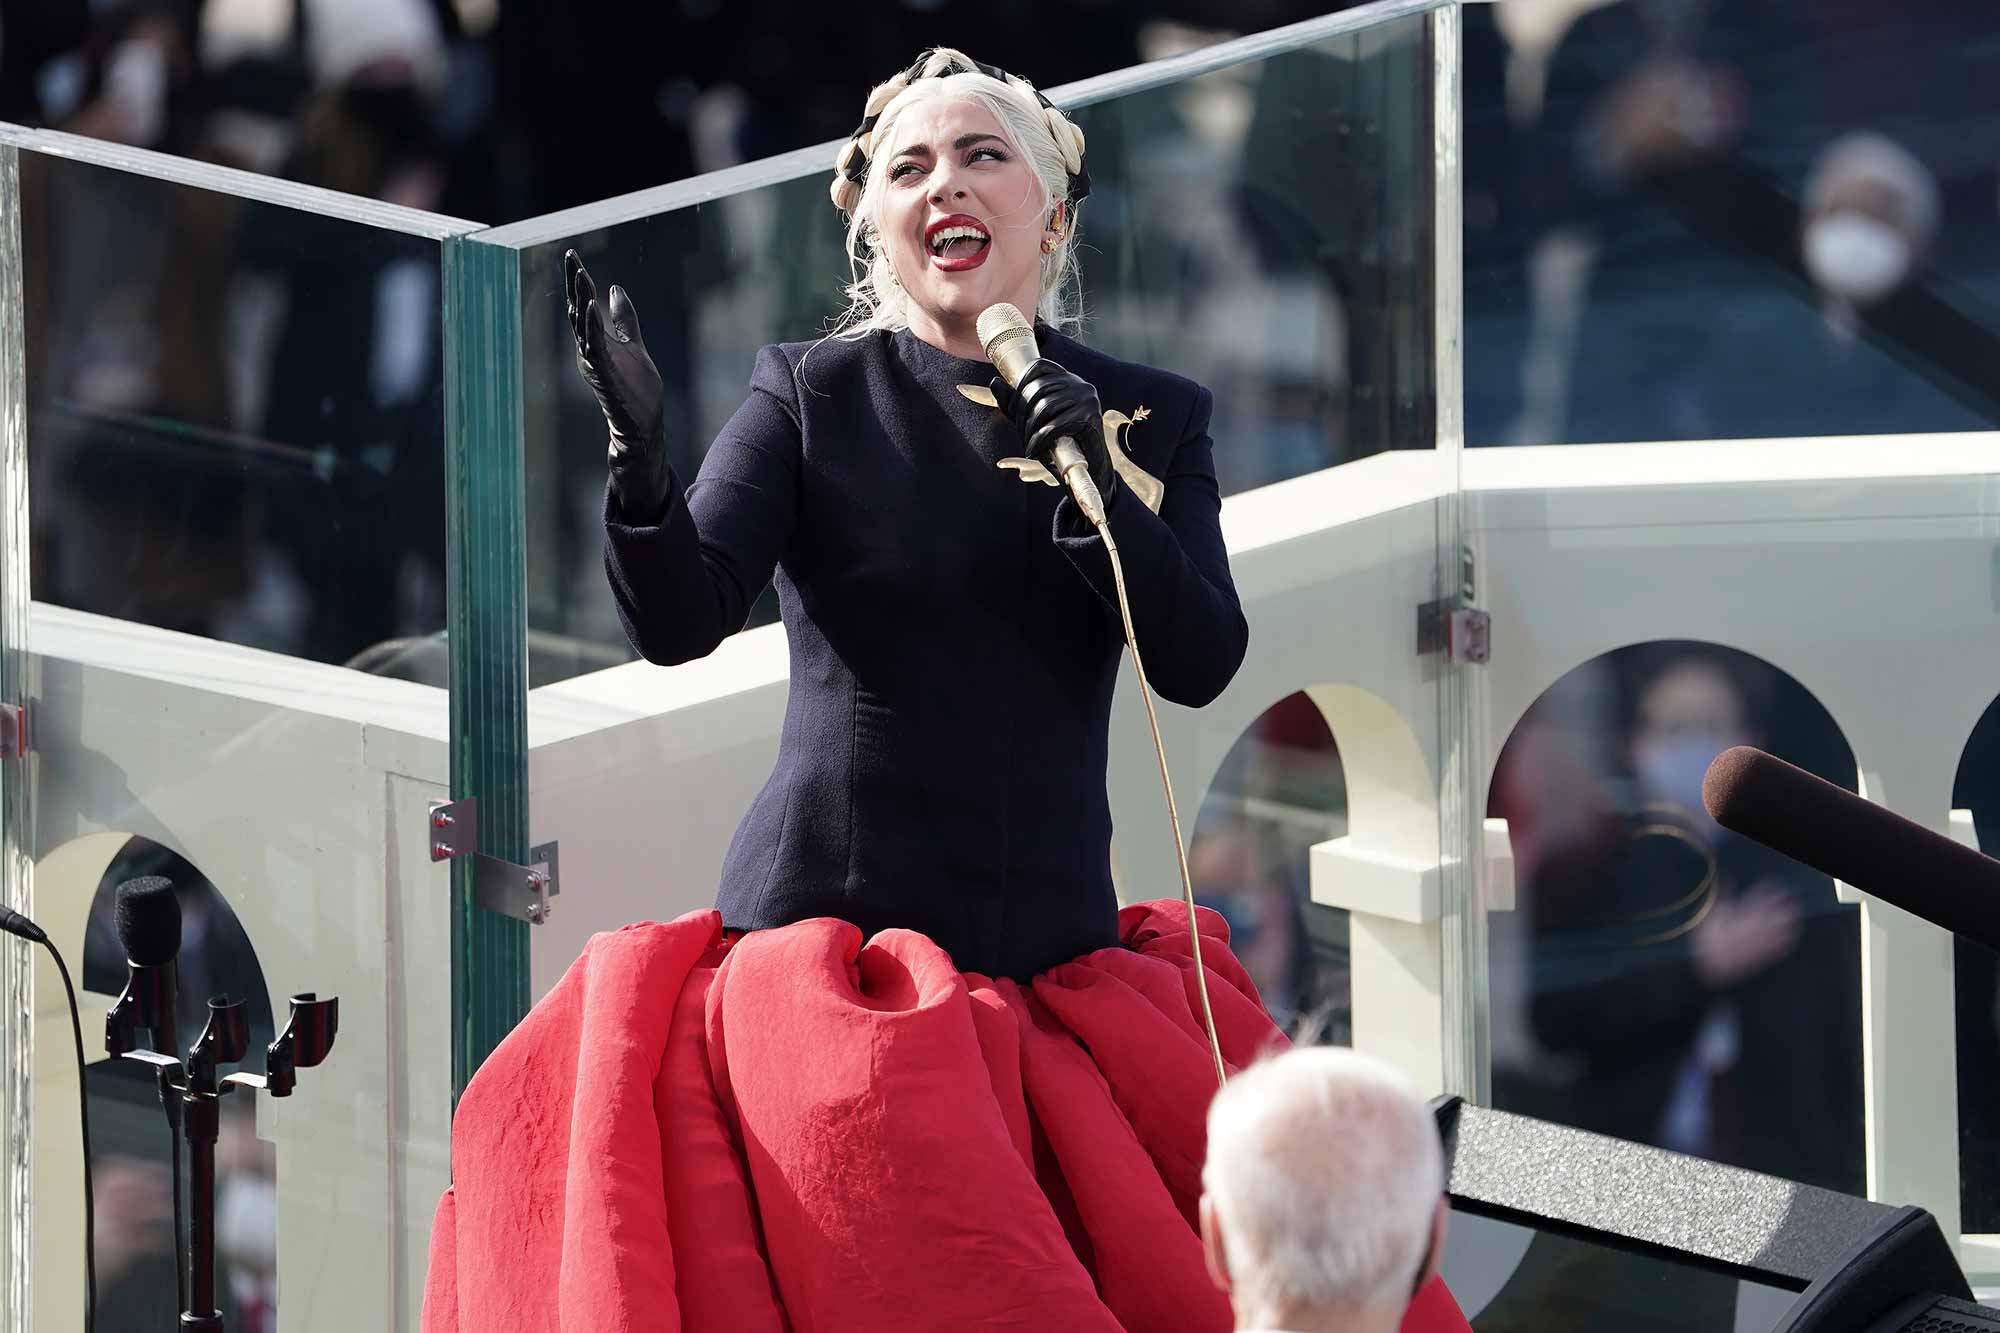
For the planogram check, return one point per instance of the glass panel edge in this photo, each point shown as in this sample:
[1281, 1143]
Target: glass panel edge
[16, 890]
[486, 634]
[235, 181]
[1460, 822]
[1239, 51]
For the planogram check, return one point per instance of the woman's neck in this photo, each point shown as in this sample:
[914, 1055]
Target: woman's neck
[957, 337]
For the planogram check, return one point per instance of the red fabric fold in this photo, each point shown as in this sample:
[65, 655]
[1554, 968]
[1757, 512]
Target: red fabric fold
[796, 1130]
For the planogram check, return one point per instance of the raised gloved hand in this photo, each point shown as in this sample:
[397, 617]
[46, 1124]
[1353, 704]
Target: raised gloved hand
[1051, 403]
[614, 363]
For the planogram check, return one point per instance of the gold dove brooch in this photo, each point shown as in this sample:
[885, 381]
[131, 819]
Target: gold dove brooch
[1149, 488]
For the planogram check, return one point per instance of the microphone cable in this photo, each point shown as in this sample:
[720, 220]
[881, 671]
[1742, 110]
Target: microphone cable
[1009, 342]
[83, 1123]
[1101, 520]
[16, 924]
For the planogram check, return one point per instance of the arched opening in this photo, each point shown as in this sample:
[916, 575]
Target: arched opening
[130, 1138]
[1660, 979]
[1280, 790]
[1976, 790]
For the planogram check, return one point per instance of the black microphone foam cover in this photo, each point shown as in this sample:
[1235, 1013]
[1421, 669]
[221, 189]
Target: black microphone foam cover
[1856, 841]
[149, 920]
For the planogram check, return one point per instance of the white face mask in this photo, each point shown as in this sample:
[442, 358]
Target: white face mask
[1674, 771]
[1856, 257]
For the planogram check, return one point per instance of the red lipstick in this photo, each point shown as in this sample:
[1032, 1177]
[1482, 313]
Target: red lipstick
[969, 228]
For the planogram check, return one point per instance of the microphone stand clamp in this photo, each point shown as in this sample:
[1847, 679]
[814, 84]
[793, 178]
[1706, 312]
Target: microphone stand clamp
[193, 1096]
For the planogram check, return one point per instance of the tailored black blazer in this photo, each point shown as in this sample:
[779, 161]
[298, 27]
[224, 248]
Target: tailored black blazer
[954, 638]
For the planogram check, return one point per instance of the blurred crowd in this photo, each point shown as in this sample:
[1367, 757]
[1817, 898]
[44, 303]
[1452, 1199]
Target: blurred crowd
[498, 110]
[1682, 219]
[236, 408]
[1697, 220]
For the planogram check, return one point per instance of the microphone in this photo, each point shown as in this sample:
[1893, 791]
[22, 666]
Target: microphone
[1009, 340]
[1856, 841]
[148, 923]
[149, 930]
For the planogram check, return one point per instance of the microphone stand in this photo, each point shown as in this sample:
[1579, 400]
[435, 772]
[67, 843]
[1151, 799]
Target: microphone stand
[193, 1098]
[223, 1039]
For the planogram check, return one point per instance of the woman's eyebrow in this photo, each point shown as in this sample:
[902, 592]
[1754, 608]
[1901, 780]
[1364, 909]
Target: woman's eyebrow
[961, 143]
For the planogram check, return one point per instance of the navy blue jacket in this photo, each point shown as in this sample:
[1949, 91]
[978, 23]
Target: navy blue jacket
[954, 639]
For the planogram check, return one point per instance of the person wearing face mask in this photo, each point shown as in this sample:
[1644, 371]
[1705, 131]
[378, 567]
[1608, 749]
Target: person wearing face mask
[1871, 213]
[1708, 985]
[917, 1070]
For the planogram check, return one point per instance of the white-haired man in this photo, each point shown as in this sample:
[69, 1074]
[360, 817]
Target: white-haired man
[1323, 1205]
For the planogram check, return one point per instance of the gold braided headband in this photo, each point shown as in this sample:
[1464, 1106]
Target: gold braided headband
[850, 167]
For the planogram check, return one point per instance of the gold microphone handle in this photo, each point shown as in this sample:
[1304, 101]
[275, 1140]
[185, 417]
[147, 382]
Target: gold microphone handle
[1074, 468]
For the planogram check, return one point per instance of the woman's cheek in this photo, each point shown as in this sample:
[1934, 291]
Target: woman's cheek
[897, 248]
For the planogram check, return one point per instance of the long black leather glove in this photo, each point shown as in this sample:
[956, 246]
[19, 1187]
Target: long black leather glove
[1051, 403]
[615, 364]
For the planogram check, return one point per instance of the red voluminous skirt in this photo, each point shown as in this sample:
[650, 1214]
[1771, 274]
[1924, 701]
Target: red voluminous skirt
[794, 1130]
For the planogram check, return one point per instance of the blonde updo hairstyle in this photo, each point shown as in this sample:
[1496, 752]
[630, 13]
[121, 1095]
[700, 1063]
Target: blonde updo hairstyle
[1037, 132]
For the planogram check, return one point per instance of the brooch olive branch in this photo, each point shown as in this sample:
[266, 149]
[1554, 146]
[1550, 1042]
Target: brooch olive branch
[1145, 485]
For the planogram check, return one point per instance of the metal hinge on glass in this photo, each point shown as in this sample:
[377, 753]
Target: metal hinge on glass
[1452, 627]
[522, 892]
[13, 731]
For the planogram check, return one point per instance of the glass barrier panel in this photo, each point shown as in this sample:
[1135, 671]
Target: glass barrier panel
[1302, 295]
[1740, 265]
[228, 429]
[1654, 976]
[1729, 221]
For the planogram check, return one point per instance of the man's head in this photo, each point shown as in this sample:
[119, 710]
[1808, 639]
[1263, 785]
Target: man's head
[1323, 1192]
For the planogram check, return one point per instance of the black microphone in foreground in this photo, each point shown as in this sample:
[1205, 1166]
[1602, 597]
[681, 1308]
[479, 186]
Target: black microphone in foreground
[149, 930]
[15, 924]
[148, 923]
[1856, 841]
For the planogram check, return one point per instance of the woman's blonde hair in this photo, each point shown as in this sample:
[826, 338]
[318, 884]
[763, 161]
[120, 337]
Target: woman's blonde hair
[1045, 138]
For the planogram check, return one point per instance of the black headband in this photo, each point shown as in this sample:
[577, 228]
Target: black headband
[857, 166]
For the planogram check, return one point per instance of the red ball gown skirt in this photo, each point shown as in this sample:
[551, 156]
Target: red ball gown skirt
[794, 1130]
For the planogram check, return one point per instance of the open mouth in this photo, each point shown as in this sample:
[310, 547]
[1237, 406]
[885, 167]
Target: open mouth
[958, 242]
